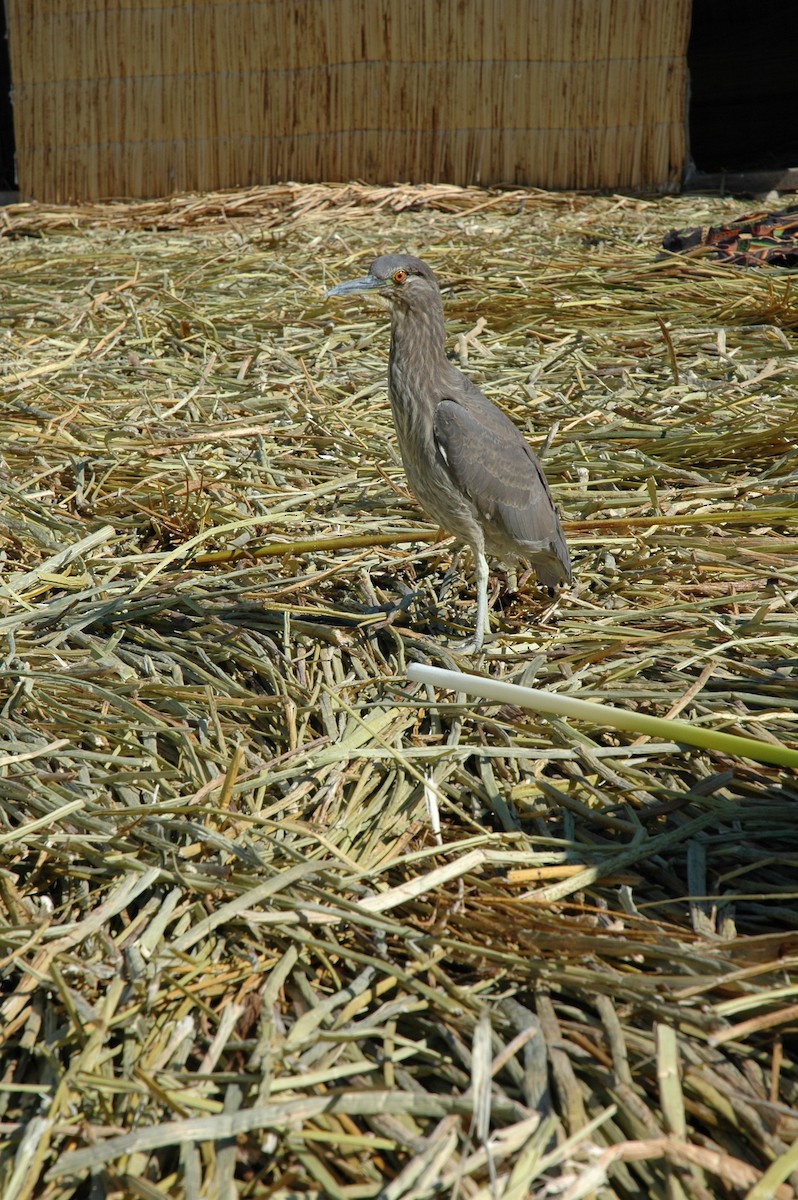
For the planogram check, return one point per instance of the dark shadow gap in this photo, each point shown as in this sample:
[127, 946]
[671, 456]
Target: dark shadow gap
[743, 85]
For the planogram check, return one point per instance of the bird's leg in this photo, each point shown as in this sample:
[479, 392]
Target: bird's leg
[481, 573]
[474, 645]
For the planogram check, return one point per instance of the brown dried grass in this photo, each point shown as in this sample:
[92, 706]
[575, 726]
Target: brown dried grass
[236, 958]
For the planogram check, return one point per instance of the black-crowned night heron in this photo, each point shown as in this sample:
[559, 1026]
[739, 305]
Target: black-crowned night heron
[468, 465]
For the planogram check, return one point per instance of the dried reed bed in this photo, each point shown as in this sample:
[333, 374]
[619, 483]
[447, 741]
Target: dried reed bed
[236, 958]
[120, 99]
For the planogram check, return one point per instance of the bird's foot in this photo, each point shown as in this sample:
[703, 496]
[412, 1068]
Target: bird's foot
[472, 646]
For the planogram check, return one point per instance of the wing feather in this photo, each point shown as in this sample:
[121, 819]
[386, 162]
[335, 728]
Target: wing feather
[492, 464]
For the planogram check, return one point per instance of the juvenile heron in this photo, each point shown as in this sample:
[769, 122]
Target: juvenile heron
[467, 463]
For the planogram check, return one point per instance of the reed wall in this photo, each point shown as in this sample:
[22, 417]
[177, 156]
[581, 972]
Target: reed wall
[134, 98]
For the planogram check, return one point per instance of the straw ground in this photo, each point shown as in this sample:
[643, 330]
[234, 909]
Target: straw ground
[238, 957]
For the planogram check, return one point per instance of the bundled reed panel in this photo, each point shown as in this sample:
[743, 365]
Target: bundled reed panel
[133, 98]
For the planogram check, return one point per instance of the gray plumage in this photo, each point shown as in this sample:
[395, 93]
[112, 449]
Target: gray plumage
[468, 465]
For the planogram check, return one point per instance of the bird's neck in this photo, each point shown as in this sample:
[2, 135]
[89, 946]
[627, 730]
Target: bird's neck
[418, 342]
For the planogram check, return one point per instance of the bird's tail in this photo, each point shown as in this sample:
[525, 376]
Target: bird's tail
[553, 566]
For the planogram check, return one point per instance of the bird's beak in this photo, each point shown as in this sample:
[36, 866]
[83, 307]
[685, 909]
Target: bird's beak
[367, 284]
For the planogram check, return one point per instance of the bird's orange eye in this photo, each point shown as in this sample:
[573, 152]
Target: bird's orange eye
[399, 276]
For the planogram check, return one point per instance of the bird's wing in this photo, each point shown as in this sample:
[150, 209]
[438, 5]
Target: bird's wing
[490, 462]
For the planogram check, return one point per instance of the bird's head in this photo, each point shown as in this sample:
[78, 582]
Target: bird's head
[400, 279]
